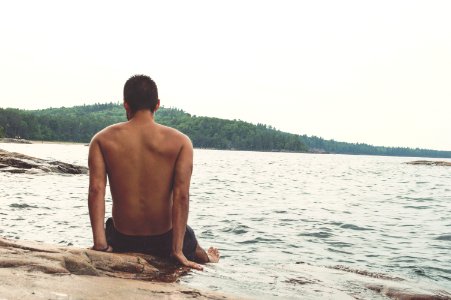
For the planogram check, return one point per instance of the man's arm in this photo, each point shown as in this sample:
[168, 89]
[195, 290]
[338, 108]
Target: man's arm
[96, 196]
[180, 206]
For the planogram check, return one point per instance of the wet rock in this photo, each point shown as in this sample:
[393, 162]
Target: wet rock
[13, 162]
[37, 271]
[430, 163]
[54, 260]
[343, 282]
[406, 294]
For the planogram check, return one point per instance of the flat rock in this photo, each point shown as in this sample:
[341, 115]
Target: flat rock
[36, 271]
[32, 257]
[430, 163]
[13, 162]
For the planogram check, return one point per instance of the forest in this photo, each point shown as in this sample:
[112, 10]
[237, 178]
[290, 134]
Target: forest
[80, 123]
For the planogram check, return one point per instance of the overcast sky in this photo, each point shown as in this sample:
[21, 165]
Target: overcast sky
[377, 72]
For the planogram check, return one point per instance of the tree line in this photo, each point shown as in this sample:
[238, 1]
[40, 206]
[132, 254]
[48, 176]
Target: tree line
[80, 123]
[317, 144]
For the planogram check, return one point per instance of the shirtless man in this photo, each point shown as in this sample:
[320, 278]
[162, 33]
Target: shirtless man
[149, 169]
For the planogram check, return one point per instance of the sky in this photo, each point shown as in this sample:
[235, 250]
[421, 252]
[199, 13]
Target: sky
[376, 72]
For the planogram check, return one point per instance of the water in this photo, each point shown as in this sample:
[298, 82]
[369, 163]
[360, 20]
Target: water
[270, 214]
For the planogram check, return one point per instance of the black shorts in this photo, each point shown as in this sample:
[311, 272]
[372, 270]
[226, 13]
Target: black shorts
[158, 245]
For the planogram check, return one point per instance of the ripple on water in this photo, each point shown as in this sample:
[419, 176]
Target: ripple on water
[338, 251]
[417, 199]
[444, 237]
[416, 206]
[354, 227]
[237, 229]
[22, 205]
[336, 223]
[319, 234]
[340, 244]
[259, 239]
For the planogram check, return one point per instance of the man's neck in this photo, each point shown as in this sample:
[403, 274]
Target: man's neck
[142, 116]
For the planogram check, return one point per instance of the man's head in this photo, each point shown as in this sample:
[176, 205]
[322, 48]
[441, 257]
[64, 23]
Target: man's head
[140, 92]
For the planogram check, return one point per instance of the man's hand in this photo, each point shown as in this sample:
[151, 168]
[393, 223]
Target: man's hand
[184, 261]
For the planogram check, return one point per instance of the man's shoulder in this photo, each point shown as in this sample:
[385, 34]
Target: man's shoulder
[108, 131]
[173, 133]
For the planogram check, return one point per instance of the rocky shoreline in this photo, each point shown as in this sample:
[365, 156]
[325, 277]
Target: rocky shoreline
[31, 270]
[13, 162]
[430, 163]
[12, 140]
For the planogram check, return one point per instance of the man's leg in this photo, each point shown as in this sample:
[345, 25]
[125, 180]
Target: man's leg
[203, 257]
[199, 255]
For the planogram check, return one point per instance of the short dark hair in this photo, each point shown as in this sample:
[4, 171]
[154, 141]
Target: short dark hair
[140, 92]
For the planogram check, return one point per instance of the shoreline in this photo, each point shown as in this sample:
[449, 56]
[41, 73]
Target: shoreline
[56, 142]
[24, 141]
[13, 141]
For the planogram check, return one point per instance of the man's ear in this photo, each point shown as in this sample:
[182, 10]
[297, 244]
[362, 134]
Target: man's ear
[126, 106]
[157, 106]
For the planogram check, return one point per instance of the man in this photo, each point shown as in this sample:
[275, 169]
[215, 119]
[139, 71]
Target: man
[149, 169]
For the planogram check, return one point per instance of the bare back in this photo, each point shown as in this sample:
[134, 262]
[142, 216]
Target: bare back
[140, 160]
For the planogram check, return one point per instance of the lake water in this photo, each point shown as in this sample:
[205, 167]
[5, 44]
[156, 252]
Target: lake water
[269, 214]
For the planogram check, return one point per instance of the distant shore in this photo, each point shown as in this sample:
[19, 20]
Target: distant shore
[24, 141]
[13, 140]
[310, 151]
[58, 142]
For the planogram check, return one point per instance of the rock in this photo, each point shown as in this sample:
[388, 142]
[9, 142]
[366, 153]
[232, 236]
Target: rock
[13, 162]
[405, 294]
[55, 260]
[38, 271]
[430, 163]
